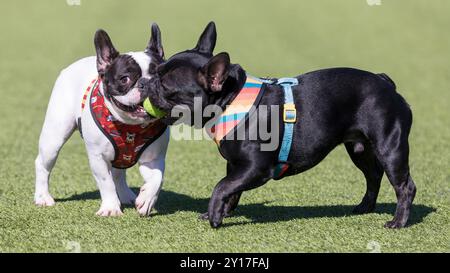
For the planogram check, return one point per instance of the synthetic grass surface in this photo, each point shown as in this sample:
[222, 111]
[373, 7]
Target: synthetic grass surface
[310, 212]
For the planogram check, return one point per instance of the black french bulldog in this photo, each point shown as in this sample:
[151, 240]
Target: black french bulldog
[360, 109]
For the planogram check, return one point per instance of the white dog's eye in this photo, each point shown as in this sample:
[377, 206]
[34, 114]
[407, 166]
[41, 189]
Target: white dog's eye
[124, 80]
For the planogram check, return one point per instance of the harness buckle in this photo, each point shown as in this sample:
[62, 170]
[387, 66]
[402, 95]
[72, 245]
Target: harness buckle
[287, 81]
[289, 113]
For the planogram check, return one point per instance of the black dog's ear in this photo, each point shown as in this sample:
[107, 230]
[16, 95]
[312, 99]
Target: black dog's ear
[207, 40]
[215, 72]
[106, 53]
[155, 43]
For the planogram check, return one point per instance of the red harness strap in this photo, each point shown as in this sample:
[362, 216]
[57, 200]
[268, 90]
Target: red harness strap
[129, 141]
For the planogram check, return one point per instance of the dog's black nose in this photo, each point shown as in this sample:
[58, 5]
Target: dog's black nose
[142, 83]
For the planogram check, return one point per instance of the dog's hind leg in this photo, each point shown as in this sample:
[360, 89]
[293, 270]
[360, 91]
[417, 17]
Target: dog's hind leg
[394, 157]
[363, 157]
[59, 125]
[392, 150]
[55, 133]
[126, 195]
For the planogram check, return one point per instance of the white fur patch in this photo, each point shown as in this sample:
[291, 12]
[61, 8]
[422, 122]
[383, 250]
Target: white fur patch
[133, 97]
[143, 60]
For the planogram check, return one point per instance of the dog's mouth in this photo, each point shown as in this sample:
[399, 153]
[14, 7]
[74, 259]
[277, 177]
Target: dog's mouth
[137, 110]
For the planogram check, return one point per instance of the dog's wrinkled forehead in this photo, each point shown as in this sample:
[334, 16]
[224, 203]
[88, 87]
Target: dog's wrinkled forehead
[187, 60]
[143, 60]
[125, 65]
[134, 64]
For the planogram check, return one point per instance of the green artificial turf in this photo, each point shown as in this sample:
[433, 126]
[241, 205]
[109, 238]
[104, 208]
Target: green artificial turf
[311, 212]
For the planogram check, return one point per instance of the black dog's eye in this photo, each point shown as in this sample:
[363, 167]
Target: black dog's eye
[124, 80]
[152, 68]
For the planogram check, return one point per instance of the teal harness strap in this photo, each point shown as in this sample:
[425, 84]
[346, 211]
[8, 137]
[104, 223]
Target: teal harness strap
[289, 118]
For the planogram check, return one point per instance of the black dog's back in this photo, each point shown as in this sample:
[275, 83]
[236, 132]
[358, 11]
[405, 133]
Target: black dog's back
[338, 105]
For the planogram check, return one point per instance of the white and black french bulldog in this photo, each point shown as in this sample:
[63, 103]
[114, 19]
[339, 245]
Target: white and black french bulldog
[102, 96]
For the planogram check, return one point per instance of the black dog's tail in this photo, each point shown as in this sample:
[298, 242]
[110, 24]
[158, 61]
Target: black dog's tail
[388, 79]
[392, 83]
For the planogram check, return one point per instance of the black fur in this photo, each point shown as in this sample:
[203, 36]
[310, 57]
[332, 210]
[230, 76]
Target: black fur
[360, 109]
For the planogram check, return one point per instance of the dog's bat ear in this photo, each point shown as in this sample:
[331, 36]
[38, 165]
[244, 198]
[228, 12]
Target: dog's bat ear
[106, 53]
[213, 75]
[207, 40]
[155, 43]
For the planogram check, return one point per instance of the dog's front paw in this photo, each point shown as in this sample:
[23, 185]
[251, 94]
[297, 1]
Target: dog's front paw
[205, 216]
[146, 199]
[44, 200]
[394, 224]
[215, 224]
[109, 209]
[215, 219]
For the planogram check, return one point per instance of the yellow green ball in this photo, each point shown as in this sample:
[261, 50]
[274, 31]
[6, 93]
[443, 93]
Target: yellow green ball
[153, 110]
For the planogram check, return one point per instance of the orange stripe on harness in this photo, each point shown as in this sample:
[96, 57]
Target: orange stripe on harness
[237, 110]
[91, 87]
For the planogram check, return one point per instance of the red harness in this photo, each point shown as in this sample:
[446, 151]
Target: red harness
[129, 141]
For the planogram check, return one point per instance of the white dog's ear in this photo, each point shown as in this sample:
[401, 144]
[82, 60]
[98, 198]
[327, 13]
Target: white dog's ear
[106, 53]
[155, 43]
[213, 75]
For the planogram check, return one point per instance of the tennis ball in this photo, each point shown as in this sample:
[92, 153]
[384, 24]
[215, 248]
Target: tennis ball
[153, 110]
